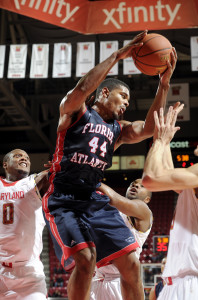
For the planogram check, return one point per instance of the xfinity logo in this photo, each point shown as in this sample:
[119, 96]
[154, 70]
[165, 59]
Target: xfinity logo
[63, 10]
[121, 14]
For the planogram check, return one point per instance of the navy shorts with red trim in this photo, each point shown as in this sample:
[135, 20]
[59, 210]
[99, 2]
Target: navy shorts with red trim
[76, 224]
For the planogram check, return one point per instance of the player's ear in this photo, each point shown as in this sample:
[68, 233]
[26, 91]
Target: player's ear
[147, 199]
[105, 92]
[5, 164]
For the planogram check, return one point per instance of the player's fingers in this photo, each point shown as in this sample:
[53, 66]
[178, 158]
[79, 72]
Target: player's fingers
[156, 119]
[161, 116]
[169, 115]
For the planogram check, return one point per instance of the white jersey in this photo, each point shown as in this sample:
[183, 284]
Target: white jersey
[21, 221]
[182, 258]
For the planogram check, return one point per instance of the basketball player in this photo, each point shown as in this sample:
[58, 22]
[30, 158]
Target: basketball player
[86, 140]
[156, 290]
[21, 227]
[138, 217]
[181, 270]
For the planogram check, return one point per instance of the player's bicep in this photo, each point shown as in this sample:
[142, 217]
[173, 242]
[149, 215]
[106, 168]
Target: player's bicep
[132, 132]
[73, 102]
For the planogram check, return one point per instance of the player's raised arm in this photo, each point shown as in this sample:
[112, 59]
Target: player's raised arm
[139, 130]
[157, 176]
[74, 101]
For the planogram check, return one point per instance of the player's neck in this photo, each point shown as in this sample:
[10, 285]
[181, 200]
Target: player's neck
[15, 177]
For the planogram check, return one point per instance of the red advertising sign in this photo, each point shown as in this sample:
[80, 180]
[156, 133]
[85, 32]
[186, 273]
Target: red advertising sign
[92, 17]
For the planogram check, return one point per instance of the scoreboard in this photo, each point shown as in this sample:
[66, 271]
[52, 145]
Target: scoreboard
[160, 243]
[183, 152]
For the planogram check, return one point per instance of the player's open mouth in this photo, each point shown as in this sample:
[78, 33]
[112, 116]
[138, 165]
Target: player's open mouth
[23, 164]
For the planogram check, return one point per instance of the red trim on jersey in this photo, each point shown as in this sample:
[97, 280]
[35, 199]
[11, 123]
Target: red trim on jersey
[79, 117]
[119, 134]
[105, 261]
[8, 183]
[169, 281]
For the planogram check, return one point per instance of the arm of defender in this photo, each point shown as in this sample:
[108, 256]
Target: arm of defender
[134, 208]
[41, 181]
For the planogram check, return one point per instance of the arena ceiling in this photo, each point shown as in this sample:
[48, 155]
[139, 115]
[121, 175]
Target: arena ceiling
[29, 108]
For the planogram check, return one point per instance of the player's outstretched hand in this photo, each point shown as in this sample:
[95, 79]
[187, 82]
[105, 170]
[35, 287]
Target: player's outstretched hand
[165, 128]
[166, 76]
[125, 51]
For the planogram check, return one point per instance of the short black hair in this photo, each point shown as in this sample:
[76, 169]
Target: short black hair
[7, 156]
[111, 84]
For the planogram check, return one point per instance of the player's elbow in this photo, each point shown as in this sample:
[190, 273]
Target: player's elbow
[148, 182]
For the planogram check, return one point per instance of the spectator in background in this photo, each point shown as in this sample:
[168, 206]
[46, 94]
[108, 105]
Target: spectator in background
[155, 291]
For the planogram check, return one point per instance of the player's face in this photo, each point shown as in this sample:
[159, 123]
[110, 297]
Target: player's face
[196, 151]
[117, 102]
[18, 162]
[136, 190]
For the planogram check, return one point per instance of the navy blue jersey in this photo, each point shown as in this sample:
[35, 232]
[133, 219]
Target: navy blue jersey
[158, 288]
[83, 152]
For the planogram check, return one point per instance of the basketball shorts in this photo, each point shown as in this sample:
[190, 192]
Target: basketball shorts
[185, 288]
[21, 282]
[76, 224]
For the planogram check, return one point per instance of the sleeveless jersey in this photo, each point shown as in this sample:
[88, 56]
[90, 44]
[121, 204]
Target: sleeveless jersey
[21, 221]
[110, 270]
[182, 256]
[83, 152]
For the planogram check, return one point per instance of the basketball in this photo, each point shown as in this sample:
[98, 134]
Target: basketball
[151, 57]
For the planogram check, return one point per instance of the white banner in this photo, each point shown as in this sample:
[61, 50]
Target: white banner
[2, 59]
[85, 58]
[39, 61]
[128, 64]
[17, 61]
[194, 53]
[106, 49]
[62, 60]
[179, 92]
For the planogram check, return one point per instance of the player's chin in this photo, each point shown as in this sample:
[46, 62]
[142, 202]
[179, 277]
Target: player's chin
[117, 117]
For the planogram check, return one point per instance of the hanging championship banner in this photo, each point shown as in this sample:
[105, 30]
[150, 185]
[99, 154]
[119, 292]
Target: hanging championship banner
[39, 61]
[128, 64]
[62, 60]
[194, 52]
[17, 61]
[85, 58]
[106, 49]
[179, 92]
[2, 59]
[92, 17]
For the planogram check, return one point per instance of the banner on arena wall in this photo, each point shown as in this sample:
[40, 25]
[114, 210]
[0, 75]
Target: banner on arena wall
[179, 92]
[106, 49]
[62, 60]
[91, 17]
[85, 58]
[128, 64]
[132, 162]
[39, 61]
[194, 52]
[17, 61]
[2, 59]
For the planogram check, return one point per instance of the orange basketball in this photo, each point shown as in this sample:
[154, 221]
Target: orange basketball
[151, 57]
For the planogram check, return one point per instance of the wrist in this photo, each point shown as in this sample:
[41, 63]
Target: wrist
[164, 85]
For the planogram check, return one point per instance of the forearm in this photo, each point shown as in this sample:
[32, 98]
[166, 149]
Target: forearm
[95, 76]
[153, 166]
[167, 158]
[159, 101]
